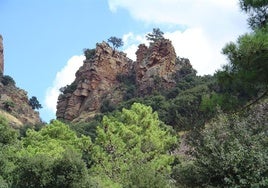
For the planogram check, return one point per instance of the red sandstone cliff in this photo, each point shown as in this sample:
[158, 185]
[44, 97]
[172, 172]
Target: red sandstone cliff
[96, 80]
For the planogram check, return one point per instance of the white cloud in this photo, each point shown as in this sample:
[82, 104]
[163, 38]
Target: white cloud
[209, 24]
[131, 42]
[189, 12]
[64, 77]
[193, 44]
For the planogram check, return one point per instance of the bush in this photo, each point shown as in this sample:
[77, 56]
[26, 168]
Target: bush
[69, 88]
[127, 79]
[89, 53]
[34, 103]
[107, 106]
[147, 177]
[8, 80]
[8, 105]
[232, 152]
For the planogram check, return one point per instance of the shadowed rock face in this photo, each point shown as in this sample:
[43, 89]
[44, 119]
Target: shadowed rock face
[97, 80]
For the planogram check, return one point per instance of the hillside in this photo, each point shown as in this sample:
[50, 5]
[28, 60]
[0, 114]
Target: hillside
[14, 102]
[151, 123]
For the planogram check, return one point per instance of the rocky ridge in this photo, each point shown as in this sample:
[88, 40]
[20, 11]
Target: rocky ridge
[94, 80]
[14, 102]
[97, 80]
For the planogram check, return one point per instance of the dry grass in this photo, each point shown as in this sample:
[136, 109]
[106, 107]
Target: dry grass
[13, 121]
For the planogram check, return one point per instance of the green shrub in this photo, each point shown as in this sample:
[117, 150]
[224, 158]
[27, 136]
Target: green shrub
[8, 80]
[107, 106]
[34, 103]
[69, 88]
[89, 53]
[231, 152]
[8, 105]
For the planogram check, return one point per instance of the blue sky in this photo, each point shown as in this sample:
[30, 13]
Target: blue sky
[44, 39]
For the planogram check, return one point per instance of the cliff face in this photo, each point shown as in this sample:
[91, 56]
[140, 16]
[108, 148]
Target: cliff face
[155, 64]
[14, 103]
[97, 81]
[94, 81]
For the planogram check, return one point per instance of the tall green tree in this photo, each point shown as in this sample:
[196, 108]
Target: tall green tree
[245, 78]
[34, 103]
[116, 42]
[130, 138]
[232, 152]
[156, 35]
[258, 12]
[9, 144]
[52, 157]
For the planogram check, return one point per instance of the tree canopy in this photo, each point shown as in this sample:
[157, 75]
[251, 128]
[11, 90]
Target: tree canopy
[116, 42]
[156, 35]
[130, 138]
[245, 76]
[258, 12]
[34, 103]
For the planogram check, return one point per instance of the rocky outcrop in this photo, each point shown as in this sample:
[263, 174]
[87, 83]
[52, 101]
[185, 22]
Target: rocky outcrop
[15, 102]
[155, 64]
[97, 80]
[1, 56]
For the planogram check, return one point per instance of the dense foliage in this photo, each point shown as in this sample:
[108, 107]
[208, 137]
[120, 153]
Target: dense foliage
[7, 80]
[89, 53]
[231, 152]
[156, 35]
[258, 11]
[222, 121]
[34, 103]
[131, 139]
[55, 156]
[116, 42]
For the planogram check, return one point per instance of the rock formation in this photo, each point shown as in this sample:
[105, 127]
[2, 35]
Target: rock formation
[155, 64]
[1, 56]
[14, 103]
[96, 81]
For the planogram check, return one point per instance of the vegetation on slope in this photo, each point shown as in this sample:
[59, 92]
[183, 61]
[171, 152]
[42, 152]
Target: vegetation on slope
[223, 119]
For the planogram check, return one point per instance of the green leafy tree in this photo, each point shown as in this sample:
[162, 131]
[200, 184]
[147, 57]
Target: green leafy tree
[8, 147]
[245, 77]
[34, 103]
[232, 152]
[129, 138]
[156, 35]
[52, 140]
[89, 53]
[8, 80]
[116, 42]
[107, 106]
[258, 11]
[7, 134]
[52, 157]
[70, 171]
